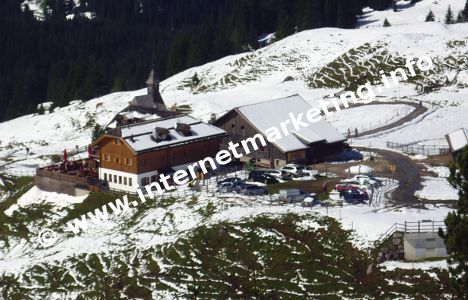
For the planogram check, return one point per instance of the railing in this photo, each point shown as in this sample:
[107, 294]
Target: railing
[62, 176]
[419, 149]
[422, 226]
[19, 173]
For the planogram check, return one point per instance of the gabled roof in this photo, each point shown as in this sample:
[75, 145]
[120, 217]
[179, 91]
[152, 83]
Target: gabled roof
[458, 139]
[270, 114]
[139, 137]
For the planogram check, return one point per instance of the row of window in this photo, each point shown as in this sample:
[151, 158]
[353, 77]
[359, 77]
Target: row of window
[118, 179]
[127, 161]
[146, 180]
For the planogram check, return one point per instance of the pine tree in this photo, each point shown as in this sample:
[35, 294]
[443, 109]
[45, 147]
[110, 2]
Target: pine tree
[430, 17]
[460, 17]
[286, 28]
[465, 12]
[455, 235]
[195, 81]
[386, 23]
[97, 132]
[449, 16]
[40, 110]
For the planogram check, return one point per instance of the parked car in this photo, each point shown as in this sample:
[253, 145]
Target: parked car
[364, 180]
[262, 177]
[311, 200]
[355, 196]
[281, 174]
[308, 171]
[251, 190]
[346, 186]
[230, 179]
[293, 169]
[292, 195]
[226, 187]
[327, 175]
[359, 184]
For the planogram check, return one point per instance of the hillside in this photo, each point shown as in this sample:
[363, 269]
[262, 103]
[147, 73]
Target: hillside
[199, 244]
[320, 61]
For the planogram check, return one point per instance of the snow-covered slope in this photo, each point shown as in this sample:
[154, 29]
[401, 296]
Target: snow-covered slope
[329, 58]
[171, 233]
[410, 14]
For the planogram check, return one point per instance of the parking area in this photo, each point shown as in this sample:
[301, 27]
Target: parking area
[354, 181]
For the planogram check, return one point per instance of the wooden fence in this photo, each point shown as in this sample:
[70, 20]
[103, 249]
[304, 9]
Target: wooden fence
[61, 176]
[419, 149]
[422, 226]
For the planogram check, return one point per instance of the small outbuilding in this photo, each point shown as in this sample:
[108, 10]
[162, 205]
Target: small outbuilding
[457, 140]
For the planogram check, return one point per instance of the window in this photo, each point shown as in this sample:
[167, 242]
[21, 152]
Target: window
[120, 179]
[125, 180]
[130, 182]
[115, 178]
[105, 176]
[130, 162]
[117, 160]
[154, 178]
[144, 181]
[242, 127]
[107, 157]
[233, 125]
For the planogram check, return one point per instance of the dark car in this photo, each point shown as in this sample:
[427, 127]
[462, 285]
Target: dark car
[355, 196]
[251, 190]
[231, 179]
[263, 177]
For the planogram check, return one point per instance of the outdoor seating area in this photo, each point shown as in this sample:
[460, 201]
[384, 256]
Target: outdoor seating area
[77, 171]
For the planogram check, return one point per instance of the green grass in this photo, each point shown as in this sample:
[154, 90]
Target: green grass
[14, 225]
[260, 258]
[93, 201]
[307, 186]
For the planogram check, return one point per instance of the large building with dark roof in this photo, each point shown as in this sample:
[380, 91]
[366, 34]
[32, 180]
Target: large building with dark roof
[316, 143]
[138, 153]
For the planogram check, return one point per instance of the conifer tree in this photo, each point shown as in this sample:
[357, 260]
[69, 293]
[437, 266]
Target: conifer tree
[460, 17]
[449, 16]
[40, 110]
[97, 132]
[386, 23]
[456, 233]
[465, 12]
[430, 17]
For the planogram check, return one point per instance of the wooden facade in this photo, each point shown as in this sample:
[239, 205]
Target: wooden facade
[239, 128]
[117, 155]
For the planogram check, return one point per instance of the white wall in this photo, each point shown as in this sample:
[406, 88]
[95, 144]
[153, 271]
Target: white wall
[134, 178]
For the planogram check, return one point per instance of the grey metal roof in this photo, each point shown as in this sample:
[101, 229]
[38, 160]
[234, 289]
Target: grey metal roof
[140, 136]
[270, 114]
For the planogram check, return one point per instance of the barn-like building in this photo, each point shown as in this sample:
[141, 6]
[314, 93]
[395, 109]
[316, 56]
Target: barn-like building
[316, 143]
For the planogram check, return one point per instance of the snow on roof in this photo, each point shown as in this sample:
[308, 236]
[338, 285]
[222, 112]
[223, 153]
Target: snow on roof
[458, 139]
[271, 113]
[140, 136]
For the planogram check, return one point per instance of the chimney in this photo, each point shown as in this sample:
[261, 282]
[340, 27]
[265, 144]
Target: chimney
[160, 134]
[183, 129]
